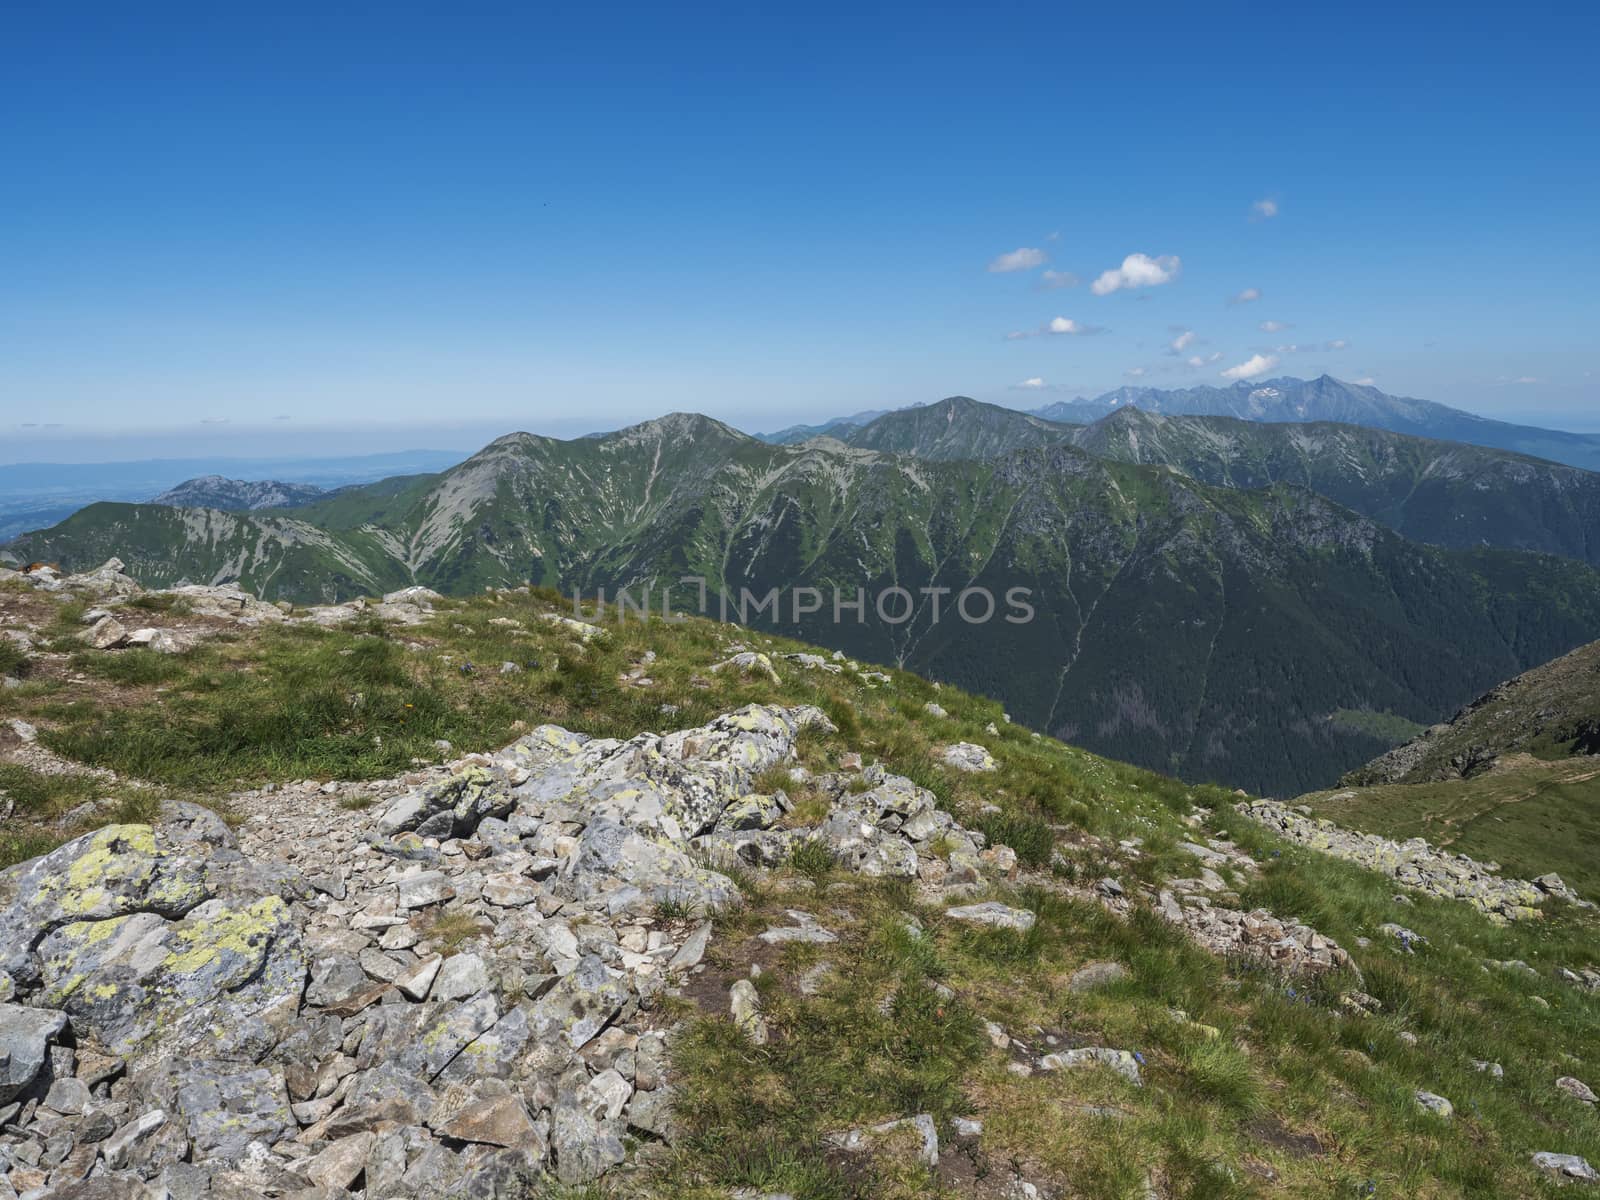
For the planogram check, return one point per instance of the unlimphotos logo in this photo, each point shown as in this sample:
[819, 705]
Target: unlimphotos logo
[892, 605]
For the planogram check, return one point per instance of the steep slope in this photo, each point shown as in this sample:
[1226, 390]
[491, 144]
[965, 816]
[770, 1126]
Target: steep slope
[1550, 712]
[958, 427]
[1448, 494]
[1329, 399]
[238, 495]
[1199, 630]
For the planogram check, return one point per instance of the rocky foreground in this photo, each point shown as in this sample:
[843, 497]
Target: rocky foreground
[454, 983]
[283, 1012]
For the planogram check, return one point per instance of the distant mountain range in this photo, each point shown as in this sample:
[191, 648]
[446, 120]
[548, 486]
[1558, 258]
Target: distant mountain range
[239, 495]
[1328, 399]
[1205, 630]
[37, 495]
[838, 427]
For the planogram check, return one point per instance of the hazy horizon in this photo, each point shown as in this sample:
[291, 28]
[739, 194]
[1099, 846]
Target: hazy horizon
[292, 440]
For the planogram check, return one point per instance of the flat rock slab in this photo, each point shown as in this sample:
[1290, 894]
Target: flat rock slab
[993, 914]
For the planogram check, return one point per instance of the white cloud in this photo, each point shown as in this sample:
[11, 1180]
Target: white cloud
[1338, 344]
[1134, 372]
[1035, 382]
[1256, 364]
[1364, 381]
[1050, 279]
[1066, 325]
[1246, 297]
[1024, 258]
[1063, 326]
[1183, 341]
[1206, 360]
[1264, 210]
[1053, 237]
[214, 420]
[1274, 326]
[1137, 271]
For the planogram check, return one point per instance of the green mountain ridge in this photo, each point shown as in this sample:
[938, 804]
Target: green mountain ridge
[1205, 631]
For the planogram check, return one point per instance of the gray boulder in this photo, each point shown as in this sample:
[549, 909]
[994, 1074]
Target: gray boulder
[25, 1037]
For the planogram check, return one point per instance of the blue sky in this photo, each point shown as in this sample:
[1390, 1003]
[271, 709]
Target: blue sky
[267, 223]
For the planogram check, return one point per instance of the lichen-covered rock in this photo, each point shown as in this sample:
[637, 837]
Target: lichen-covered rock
[226, 1106]
[455, 805]
[205, 979]
[748, 662]
[584, 1147]
[579, 1006]
[966, 756]
[113, 872]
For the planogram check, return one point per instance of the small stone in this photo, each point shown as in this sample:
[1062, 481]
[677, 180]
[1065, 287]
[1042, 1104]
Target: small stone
[468, 1116]
[1095, 976]
[414, 984]
[1123, 1062]
[745, 1003]
[341, 1163]
[1577, 1089]
[122, 1146]
[1565, 1166]
[1434, 1103]
[67, 1096]
[508, 890]
[692, 950]
[105, 634]
[421, 890]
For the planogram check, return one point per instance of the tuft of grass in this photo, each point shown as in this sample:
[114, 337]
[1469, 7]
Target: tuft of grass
[451, 928]
[812, 859]
[13, 659]
[1032, 839]
[137, 667]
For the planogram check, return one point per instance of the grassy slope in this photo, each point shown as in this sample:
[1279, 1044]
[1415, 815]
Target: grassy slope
[1531, 817]
[1549, 712]
[1290, 1089]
